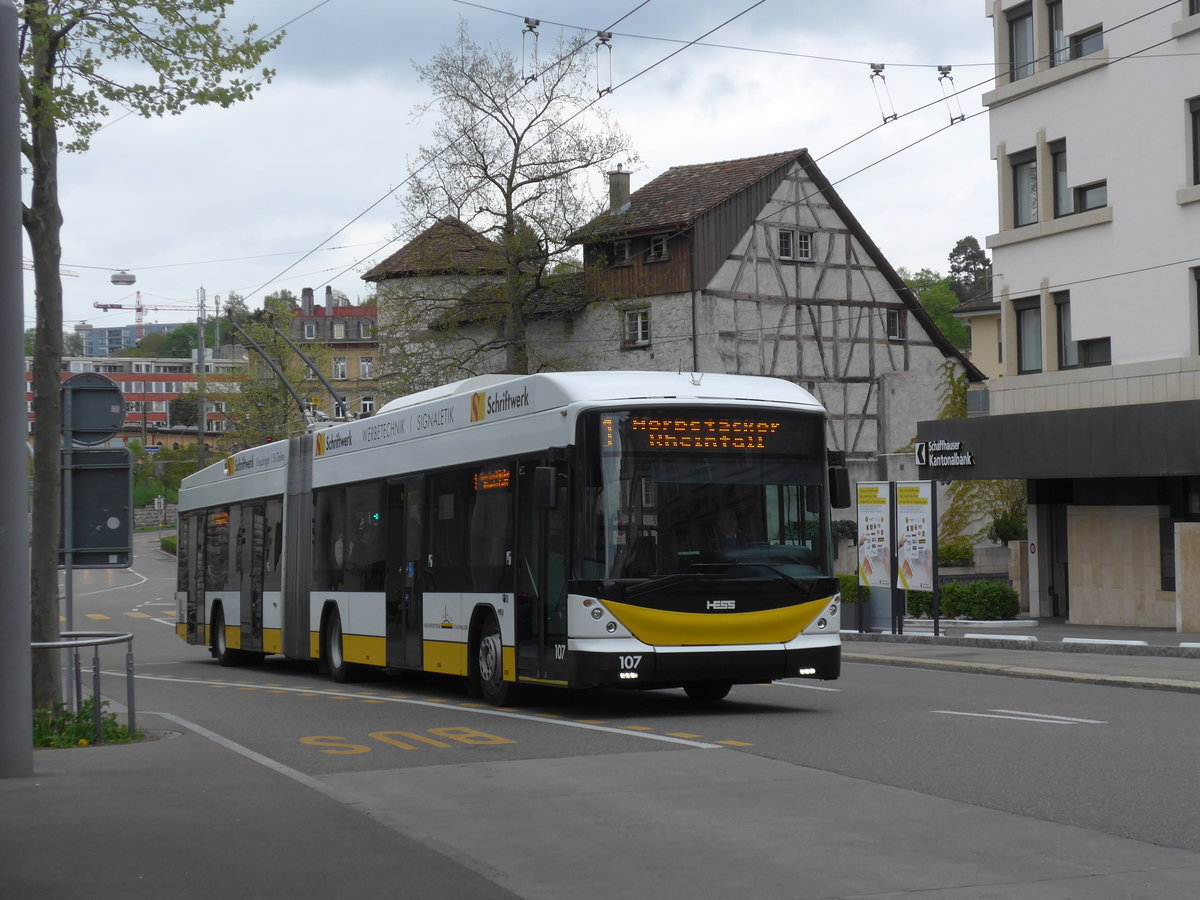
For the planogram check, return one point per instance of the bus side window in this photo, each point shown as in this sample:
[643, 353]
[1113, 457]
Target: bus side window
[329, 539]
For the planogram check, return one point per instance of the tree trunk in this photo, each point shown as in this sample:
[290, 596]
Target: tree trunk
[43, 222]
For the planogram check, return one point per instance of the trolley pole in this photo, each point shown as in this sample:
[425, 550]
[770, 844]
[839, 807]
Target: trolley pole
[16, 657]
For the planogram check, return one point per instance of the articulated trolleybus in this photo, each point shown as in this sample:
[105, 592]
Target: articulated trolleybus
[617, 529]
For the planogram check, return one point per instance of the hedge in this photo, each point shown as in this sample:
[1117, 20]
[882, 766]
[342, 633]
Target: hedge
[968, 600]
[848, 585]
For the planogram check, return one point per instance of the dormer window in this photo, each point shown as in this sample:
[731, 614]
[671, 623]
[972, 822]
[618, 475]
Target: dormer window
[310, 331]
[339, 331]
[658, 248]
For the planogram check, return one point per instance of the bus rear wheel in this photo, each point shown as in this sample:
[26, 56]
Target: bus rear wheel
[707, 691]
[489, 666]
[339, 670]
[220, 644]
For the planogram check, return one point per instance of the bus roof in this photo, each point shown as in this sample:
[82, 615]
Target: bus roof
[561, 388]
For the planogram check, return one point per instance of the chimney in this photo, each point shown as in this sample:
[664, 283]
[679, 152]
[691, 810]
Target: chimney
[328, 300]
[618, 190]
[306, 301]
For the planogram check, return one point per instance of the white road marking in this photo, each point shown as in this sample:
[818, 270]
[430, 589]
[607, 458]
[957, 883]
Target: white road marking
[650, 736]
[807, 687]
[1019, 712]
[1018, 716]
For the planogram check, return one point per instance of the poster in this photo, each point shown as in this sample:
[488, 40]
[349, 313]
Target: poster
[874, 534]
[914, 535]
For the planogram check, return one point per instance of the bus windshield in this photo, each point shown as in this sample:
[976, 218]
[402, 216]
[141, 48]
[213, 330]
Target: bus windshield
[702, 490]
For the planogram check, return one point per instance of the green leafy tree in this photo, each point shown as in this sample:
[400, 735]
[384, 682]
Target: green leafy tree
[185, 410]
[263, 410]
[513, 157]
[78, 58]
[935, 294]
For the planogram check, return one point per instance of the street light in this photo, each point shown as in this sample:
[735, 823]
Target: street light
[123, 278]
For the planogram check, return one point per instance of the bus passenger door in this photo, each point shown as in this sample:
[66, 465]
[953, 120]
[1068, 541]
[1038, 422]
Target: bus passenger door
[251, 550]
[541, 578]
[402, 591]
[193, 576]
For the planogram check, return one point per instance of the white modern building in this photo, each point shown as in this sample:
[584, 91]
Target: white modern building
[1095, 132]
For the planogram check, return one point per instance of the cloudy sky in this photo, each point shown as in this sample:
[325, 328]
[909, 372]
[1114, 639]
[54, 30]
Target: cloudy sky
[294, 189]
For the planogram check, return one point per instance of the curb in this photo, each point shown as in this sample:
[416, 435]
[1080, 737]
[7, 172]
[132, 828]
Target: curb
[1073, 645]
[1155, 684]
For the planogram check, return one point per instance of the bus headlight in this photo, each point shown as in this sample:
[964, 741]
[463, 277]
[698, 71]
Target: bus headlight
[597, 613]
[610, 627]
[822, 624]
[833, 610]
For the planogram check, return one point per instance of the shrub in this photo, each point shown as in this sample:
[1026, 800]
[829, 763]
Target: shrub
[920, 603]
[968, 600]
[956, 553]
[844, 530]
[848, 585]
[169, 544]
[989, 600]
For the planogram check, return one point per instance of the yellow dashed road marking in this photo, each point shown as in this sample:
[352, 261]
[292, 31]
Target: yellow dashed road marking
[99, 617]
[681, 734]
[138, 615]
[637, 727]
[733, 744]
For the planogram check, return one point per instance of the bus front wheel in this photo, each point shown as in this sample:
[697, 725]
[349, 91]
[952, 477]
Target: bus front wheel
[707, 691]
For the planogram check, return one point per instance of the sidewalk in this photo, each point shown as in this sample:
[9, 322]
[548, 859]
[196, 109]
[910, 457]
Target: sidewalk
[1052, 649]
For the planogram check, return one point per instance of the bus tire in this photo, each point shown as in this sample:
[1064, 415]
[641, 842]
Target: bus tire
[489, 665]
[707, 691]
[220, 645]
[339, 670]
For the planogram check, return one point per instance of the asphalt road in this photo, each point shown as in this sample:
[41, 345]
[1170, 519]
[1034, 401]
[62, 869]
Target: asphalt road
[885, 782]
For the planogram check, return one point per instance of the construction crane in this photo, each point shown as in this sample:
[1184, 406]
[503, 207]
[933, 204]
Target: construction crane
[139, 311]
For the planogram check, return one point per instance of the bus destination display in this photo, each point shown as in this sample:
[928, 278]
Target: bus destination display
[691, 433]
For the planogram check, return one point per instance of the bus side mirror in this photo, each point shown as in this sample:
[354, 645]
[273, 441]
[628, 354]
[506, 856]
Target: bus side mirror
[544, 495]
[839, 479]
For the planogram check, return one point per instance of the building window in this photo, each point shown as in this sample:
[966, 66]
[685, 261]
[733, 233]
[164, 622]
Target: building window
[787, 243]
[1060, 47]
[897, 324]
[637, 327]
[339, 331]
[795, 244]
[339, 367]
[1024, 181]
[1020, 42]
[1091, 196]
[1096, 352]
[621, 253]
[1087, 42]
[1194, 113]
[366, 406]
[658, 247]
[366, 367]
[1063, 205]
[1194, 7]
[310, 331]
[1068, 350]
[365, 330]
[1029, 336]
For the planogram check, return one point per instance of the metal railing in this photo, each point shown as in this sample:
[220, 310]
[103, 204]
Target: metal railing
[96, 639]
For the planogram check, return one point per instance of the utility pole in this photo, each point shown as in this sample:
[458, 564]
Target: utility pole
[202, 404]
[16, 657]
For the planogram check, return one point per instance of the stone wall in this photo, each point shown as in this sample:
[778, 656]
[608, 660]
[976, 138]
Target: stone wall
[148, 516]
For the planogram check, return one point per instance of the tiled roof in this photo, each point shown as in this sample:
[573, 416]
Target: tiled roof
[448, 246]
[681, 194]
[985, 304]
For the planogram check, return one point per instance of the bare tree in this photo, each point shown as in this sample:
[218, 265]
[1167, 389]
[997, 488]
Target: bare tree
[512, 156]
[66, 83]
